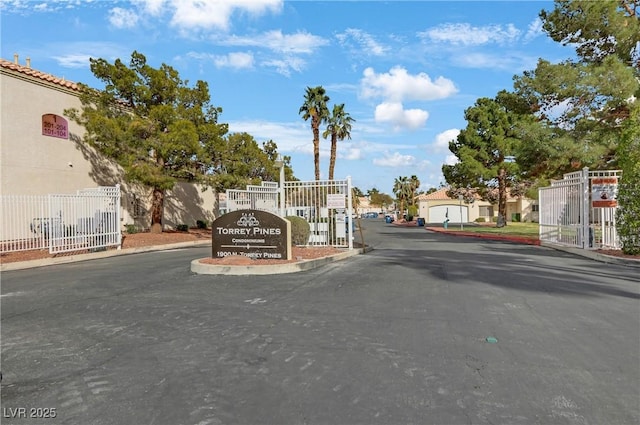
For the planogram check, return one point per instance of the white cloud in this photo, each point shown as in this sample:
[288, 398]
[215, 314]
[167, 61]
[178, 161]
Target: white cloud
[467, 35]
[534, 30]
[83, 51]
[122, 18]
[289, 137]
[398, 85]
[351, 154]
[363, 43]
[73, 60]
[152, 7]
[394, 113]
[236, 60]
[451, 159]
[506, 61]
[395, 160]
[300, 42]
[286, 65]
[441, 143]
[195, 14]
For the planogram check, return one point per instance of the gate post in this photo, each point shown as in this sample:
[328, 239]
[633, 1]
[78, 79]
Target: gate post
[350, 213]
[585, 213]
[118, 210]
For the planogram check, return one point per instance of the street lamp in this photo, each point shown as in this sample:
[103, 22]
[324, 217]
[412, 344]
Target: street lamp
[279, 162]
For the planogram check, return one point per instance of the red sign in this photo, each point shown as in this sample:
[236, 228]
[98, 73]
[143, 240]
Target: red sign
[54, 126]
[604, 191]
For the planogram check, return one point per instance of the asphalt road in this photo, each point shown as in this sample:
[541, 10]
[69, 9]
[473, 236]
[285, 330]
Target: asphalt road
[424, 329]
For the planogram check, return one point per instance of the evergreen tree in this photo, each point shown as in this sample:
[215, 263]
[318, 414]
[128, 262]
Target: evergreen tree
[485, 150]
[151, 123]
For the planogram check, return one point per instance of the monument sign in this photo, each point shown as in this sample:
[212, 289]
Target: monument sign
[253, 233]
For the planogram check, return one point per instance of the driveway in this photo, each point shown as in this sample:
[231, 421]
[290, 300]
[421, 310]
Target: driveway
[425, 329]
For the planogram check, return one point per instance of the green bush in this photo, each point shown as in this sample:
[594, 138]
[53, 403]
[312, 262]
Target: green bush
[481, 220]
[628, 216]
[494, 219]
[182, 227]
[412, 211]
[202, 224]
[131, 229]
[300, 230]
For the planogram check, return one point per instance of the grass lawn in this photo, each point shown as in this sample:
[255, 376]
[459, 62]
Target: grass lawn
[512, 228]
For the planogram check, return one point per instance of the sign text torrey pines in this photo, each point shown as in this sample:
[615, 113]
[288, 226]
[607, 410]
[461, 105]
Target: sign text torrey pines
[252, 233]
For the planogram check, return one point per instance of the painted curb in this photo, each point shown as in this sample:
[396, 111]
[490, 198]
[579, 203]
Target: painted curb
[609, 259]
[575, 251]
[212, 269]
[518, 239]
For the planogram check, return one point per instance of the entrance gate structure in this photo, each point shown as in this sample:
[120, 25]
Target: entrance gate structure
[325, 204]
[580, 210]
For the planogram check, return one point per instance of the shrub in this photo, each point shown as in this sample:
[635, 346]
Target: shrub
[412, 211]
[131, 229]
[628, 216]
[300, 230]
[182, 227]
[202, 224]
[494, 219]
[481, 220]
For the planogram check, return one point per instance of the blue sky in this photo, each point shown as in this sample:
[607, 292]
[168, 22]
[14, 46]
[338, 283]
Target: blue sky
[406, 71]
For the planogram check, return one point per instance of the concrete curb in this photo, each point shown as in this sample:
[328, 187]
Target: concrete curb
[212, 269]
[609, 259]
[96, 255]
[575, 251]
[518, 239]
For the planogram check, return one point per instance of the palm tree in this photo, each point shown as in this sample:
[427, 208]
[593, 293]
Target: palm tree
[414, 184]
[339, 126]
[315, 107]
[402, 190]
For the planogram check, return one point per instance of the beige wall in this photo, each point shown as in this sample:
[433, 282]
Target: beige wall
[34, 164]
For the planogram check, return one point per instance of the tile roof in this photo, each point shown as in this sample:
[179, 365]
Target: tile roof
[28, 71]
[440, 195]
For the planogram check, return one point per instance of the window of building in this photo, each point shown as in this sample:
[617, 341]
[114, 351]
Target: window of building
[486, 211]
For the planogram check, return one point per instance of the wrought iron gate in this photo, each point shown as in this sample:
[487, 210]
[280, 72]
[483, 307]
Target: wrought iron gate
[325, 204]
[580, 210]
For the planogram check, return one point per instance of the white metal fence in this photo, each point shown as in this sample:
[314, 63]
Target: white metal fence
[580, 210]
[87, 220]
[325, 204]
[263, 198]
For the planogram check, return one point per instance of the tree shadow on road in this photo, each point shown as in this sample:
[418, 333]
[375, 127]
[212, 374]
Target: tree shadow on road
[509, 265]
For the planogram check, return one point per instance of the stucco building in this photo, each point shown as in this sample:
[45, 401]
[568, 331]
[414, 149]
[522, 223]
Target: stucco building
[436, 206]
[41, 152]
